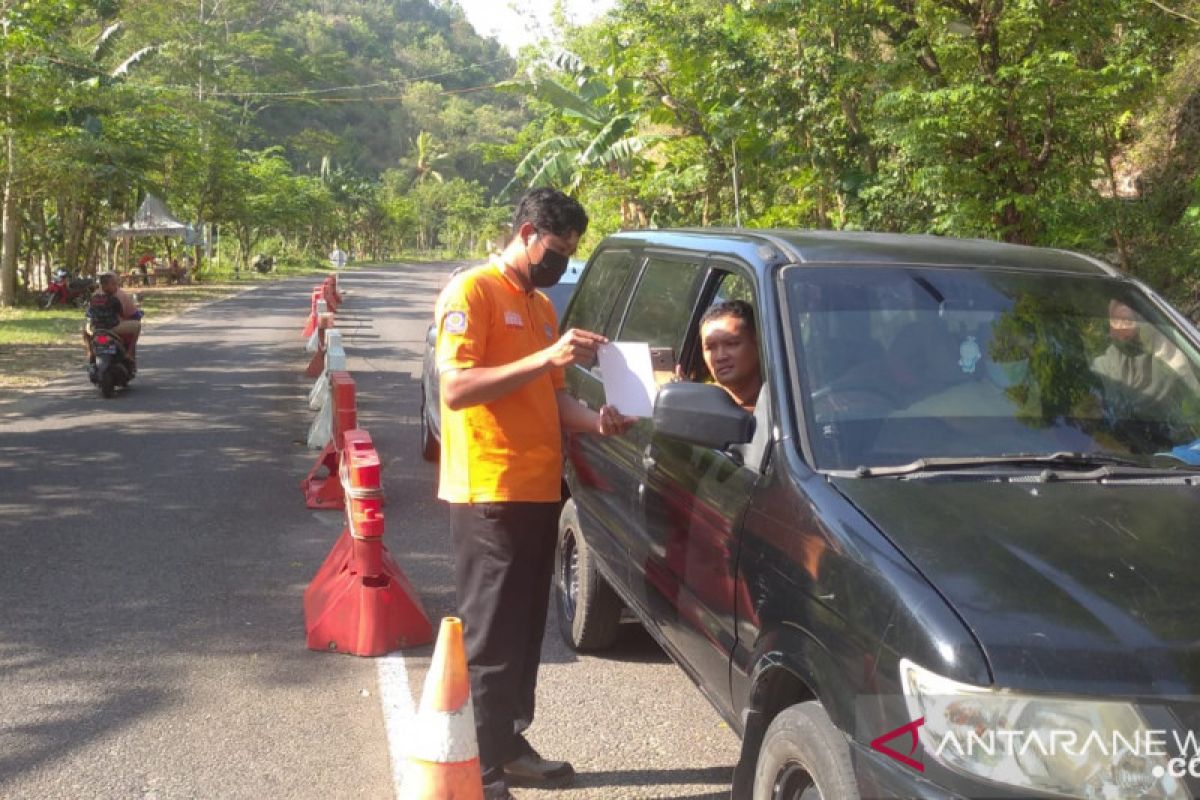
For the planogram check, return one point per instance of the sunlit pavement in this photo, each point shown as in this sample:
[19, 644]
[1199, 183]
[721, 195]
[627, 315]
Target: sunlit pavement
[156, 547]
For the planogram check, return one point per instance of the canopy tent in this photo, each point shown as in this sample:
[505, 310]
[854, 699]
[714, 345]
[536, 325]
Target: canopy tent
[152, 219]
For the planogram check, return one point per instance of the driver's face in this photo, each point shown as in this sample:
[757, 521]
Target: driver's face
[730, 350]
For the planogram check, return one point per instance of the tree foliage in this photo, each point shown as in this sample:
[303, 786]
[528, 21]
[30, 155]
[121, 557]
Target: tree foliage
[1022, 121]
[275, 122]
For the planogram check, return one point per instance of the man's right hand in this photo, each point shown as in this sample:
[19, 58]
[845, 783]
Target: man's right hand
[574, 347]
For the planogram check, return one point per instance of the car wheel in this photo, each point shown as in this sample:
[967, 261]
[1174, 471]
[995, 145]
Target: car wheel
[804, 757]
[431, 448]
[589, 611]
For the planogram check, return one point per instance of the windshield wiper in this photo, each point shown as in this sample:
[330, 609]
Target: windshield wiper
[1101, 462]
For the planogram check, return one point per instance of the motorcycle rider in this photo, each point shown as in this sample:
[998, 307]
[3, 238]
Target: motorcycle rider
[111, 308]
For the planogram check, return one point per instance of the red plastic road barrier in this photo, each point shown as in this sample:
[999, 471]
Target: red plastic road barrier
[360, 602]
[326, 492]
[311, 325]
[328, 294]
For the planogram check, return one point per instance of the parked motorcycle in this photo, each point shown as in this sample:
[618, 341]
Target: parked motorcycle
[65, 290]
[263, 264]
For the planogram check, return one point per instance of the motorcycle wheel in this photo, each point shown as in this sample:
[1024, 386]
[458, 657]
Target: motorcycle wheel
[80, 301]
[46, 300]
[108, 384]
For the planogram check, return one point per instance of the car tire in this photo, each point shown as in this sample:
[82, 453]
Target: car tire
[431, 448]
[804, 757]
[589, 611]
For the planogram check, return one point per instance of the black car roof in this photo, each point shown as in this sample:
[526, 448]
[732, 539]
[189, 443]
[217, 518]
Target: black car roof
[767, 246]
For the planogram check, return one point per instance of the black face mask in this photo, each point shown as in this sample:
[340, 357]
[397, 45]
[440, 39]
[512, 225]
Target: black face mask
[549, 270]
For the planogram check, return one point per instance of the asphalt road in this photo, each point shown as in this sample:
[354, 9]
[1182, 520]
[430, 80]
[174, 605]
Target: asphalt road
[154, 550]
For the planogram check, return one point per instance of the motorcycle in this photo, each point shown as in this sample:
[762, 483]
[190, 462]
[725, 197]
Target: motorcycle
[65, 290]
[113, 368]
[112, 365]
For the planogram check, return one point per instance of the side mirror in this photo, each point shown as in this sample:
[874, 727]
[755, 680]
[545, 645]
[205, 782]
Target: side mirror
[701, 414]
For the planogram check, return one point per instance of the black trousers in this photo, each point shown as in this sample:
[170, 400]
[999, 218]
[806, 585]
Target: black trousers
[504, 560]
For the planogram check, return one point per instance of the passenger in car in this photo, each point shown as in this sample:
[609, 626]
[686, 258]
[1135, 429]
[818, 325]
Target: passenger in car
[1142, 360]
[729, 343]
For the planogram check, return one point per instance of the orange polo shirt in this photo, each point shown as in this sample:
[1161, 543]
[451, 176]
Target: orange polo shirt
[508, 450]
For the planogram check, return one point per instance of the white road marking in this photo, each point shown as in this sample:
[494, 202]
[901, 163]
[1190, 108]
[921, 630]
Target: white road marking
[398, 710]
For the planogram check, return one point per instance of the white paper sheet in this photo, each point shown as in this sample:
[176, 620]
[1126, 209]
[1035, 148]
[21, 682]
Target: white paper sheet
[628, 377]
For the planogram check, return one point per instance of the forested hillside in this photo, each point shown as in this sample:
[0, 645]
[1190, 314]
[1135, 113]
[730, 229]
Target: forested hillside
[390, 126]
[291, 125]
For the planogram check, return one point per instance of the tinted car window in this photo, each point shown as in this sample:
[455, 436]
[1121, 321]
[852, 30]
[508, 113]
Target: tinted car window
[908, 364]
[601, 286]
[663, 302]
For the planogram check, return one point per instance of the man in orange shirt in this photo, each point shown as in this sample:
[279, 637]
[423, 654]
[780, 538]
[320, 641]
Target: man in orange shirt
[504, 410]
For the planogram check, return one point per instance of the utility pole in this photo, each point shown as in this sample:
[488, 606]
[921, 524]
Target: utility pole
[737, 203]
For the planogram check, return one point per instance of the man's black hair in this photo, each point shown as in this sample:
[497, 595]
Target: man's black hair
[551, 211]
[738, 309]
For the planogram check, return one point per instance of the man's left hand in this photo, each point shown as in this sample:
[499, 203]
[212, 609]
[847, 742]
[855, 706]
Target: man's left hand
[612, 422]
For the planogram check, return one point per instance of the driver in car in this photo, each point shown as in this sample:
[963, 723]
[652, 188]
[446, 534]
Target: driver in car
[729, 343]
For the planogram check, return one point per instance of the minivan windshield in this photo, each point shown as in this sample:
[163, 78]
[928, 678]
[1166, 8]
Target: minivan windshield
[896, 365]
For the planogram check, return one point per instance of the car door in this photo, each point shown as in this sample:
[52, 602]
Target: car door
[601, 471]
[692, 501]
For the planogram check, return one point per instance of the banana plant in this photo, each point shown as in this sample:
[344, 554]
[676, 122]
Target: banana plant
[602, 113]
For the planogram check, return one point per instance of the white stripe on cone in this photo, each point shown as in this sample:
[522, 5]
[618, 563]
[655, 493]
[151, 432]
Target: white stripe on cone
[445, 737]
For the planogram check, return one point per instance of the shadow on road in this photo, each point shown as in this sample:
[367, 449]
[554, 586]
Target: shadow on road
[147, 536]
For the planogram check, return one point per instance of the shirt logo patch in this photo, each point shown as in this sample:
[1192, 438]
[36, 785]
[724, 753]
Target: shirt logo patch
[455, 322]
[513, 320]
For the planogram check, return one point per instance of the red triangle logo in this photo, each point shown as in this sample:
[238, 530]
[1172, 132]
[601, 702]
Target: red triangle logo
[911, 729]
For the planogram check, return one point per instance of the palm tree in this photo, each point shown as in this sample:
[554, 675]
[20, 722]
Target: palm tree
[425, 154]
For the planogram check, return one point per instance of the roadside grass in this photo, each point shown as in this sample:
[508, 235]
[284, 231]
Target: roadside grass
[37, 345]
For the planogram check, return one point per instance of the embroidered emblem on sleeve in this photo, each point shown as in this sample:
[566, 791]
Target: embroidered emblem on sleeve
[455, 322]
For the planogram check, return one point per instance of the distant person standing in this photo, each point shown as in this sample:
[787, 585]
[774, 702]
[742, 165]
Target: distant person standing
[337, 257]
[504, 410]
[145, 266]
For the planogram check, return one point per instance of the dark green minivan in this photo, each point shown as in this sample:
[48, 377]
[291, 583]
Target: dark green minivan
[949, 553]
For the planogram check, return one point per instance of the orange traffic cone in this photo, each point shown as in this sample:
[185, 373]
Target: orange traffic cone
[443, 757]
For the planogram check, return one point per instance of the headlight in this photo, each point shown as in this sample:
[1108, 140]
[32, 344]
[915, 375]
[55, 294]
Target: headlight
[1078, 748]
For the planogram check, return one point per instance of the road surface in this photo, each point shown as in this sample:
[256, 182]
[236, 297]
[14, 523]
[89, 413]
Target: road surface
[154, 550]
